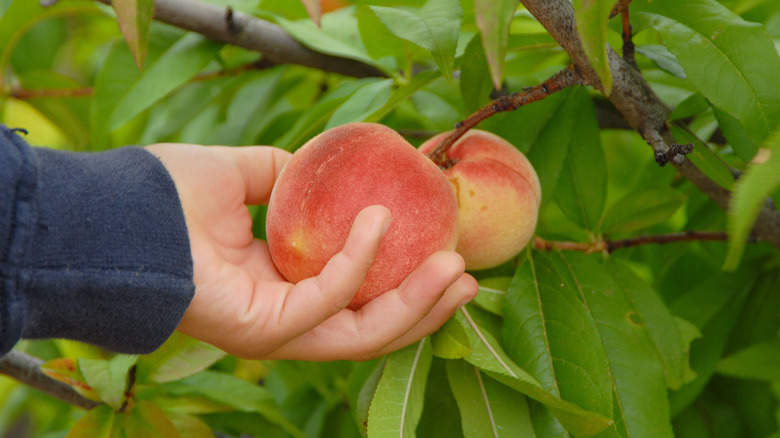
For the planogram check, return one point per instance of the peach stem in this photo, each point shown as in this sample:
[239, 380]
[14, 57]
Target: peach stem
[563, 79]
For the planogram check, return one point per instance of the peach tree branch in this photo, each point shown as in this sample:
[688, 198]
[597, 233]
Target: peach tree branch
[27, 369]
[641, 107]
[232, 27]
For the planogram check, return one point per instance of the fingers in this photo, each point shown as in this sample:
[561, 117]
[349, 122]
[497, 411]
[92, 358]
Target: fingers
[313, 300]
[423, 302]
[260, 166]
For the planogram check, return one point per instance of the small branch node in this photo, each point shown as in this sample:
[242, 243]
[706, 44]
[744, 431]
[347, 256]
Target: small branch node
[230, 22]
[620, 6]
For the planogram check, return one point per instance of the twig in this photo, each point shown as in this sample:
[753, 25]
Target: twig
[641, 107]
[232, 27]
[563, 79]
[608, 246]
[21, 94]
[628, 43]
[27, 369]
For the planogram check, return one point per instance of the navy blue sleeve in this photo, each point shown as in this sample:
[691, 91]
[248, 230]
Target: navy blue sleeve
[93, 247]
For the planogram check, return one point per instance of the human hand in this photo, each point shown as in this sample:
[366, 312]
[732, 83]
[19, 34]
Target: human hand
[245, 307]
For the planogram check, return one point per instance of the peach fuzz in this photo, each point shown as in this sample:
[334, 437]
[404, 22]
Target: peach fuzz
[498, 195]
[333, 177]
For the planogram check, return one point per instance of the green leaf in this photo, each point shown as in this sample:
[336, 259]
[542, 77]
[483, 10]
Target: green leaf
[713, 306]
[402, 93]
[97, 423]
[366, 100]
[434, 27]
[492, 293]
[487, 408]
[661, 327]
[440, 416]
[451, 341]
[488, 355]
[691, 106]
[135, 18]
[313, 120]
[180, 356]
[475, 81]
[334, 37]
[591, 17]
[493, 19]
[109, 378]
[550, 333]
[642, 342]
[361, 387]
[736, 135]
[185, 58]
[758, 361]
[704, 158]
[21, 16]
[647, 206]
[718, 51]
[67, 370]
[399, 398]
[749, 196]
[314, 9]
[122, 92]
[551, 122]
[234, 393]
[377, 39]
[189, 426]
[147, 420]
[582, 188]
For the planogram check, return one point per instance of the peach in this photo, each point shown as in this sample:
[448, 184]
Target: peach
[498, 195]
[333, 177]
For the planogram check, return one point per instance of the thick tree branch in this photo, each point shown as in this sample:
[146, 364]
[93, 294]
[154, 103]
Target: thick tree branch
[641, 107]
[239, 29]
[27, 369]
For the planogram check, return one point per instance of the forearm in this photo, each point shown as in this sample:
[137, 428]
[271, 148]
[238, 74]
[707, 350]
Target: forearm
[95, 248]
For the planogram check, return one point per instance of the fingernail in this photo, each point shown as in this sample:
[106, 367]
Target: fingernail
[465, 301]
[386, 225]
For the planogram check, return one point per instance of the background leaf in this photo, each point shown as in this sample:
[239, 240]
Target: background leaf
[717, 50]
[178, 357]
[399, 397]
[750, 194]
[634, 364]
[434, 27]
[109, 378]
[549, 332]
[591, 17]
[759, 361]
[647, 206]
[493, 20]
[488, 355]
[582, 188]
[487, 407]
[147, 420]
[97, 423]
[135, 18]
